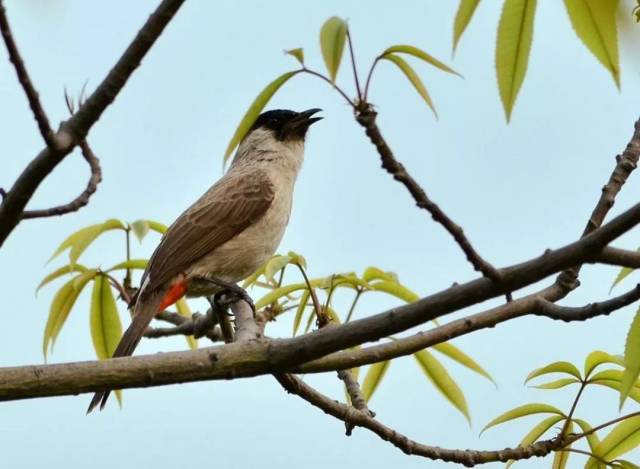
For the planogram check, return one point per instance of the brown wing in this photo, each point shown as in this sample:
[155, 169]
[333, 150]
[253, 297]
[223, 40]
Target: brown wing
[232, 204]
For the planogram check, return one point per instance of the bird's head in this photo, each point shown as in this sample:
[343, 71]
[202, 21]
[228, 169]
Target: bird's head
[276, 135]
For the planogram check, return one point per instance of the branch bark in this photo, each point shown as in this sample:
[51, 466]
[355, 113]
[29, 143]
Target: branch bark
[75, 129]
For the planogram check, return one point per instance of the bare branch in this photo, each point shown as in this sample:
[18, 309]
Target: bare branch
[25, 81]
[366, 117]
[619, 257]
[80, 201]
[354, 417]
[77, 126]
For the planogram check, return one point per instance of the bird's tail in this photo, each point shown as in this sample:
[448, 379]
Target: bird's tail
[146, 307]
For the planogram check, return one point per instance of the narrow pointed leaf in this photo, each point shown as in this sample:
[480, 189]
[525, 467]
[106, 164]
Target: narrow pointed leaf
[253, 278]
[274, 265]
[615, 385]
[67, 269]
[61, 306]
[465, 12]
[597, 358]
[373, 378]
[623, 464]
[561, 458]
[594, 22]
[183, 310]
[157, 226]
[333, 35]
[304, 299]
[413, 77]
[254, 111]
[557, 384]
[631, 358]
[624, 272]
[515, 34]
[523, 411]
[140, 228]
[72, 239]
[310, 320]
[83, 242]
[140, 264]
[298, 53]
[536, 432]
[395, 289]
[458, 355]
[106, 328]
[420, 54]
[443, 382]
[374, 273]
[592, 438]
[556, 367]
[278, 293]
[623, 438]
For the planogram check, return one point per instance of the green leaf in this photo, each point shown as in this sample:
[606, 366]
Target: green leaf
[597, 358]
[413, 77]
[278, 293]
[515, 34]
[395, 289]
[304, 299]
[140, 229]
[561, 457]
[254, 111]
[83, 242]
[624, 272]
[557, 384]
[556, 367]
[373, 378]
[106, 328]
[592, 438]
[536, 432]
[594, 22]
[420, 54]
[183, 310]
[157, 226]
[275, 265]
[374, 273]
[297, 259]
[298, 53]
[458, 355]
[443, 382]
[333, 35]
[631, 358]
[624, 437]
[523, 411]
[61, 306]
[622, 464]
[466, 9]
[140, 264]
[615, 385]
[67, 269]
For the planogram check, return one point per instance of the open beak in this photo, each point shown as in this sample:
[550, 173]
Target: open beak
[298, 126]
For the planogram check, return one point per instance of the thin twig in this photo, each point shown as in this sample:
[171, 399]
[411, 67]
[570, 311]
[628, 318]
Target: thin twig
[23, 77]
[369, 75]
[354, 417]
[82, 199]
[366, 117]
[353, 65]
[336, 87]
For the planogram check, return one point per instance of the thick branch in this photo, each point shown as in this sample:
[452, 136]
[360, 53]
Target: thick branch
[262, 357]
[351, 416]
[23, 77]
[83, 199]
[619, 257]
[366, 117]
[77, 126]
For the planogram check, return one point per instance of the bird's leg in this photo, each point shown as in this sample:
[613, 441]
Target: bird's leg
[228, 293]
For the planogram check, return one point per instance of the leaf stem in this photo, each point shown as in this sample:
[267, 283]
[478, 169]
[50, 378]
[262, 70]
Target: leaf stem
[353, 65]
[368, 82]
[353, 304]
[322, 320]
[127, 278]
[336, 87]
[567, 422]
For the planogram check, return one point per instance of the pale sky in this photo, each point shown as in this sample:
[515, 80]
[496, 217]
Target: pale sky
[516, 189]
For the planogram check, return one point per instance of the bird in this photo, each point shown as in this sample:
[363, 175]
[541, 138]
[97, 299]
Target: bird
[230, 231]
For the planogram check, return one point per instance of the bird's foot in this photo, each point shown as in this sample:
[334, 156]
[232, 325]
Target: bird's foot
[229, 294]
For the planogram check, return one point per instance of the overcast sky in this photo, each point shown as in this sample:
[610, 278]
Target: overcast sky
[516, 189]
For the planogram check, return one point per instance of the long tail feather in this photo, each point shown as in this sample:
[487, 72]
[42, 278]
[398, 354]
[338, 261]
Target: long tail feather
[144, 311]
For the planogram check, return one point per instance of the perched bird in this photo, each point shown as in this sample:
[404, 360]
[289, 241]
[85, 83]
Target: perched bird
[230, 231]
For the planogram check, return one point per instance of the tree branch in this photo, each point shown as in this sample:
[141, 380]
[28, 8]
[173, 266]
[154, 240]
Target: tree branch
[77, 126]
[619, 257]
[366, 117]
[354, 417]
[80, 201]
[23, 77]
[272, 356]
